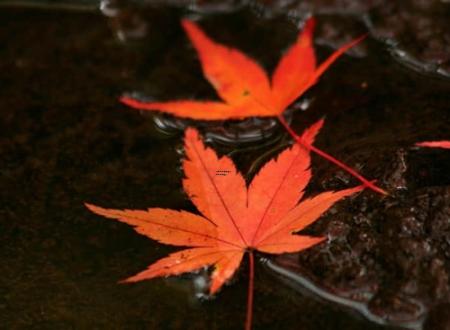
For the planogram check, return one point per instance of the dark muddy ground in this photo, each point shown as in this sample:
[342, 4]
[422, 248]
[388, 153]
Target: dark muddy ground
[65, 139]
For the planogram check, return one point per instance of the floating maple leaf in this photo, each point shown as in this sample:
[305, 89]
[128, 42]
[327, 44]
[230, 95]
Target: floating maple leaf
[235, 219]
[434, 144]
[242, 84]
[245, 87]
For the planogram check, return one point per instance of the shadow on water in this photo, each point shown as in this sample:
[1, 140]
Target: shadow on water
[65, 140]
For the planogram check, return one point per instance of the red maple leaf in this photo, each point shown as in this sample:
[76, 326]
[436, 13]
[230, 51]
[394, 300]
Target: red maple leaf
[235, 219]
[242, 84]
[245, 88]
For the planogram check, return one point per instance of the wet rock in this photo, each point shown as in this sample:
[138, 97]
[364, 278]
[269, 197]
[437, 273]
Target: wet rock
[416, 32]
[438, 318]
[396, 256]
[307, 7]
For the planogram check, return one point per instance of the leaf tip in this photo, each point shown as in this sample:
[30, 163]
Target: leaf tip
[350, 191]
[191, 133]
[126, 281]
[213, 289]
[190, 27]
[305, 37]
[309, 134]
[90, 207]
[186, 23]
[310, 24]
[128, 101]
[320, 239]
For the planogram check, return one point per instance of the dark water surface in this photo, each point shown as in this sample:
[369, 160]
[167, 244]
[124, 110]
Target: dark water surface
[65, 140]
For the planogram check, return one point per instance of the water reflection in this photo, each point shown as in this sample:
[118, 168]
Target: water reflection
[355, 301]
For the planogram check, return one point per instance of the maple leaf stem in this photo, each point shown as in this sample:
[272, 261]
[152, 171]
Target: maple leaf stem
[251, 275]
[330, 158]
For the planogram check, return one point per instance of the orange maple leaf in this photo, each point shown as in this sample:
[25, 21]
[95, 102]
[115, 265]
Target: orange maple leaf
[242, 84]
[235, 219]
[434, 144]
[245, 88]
